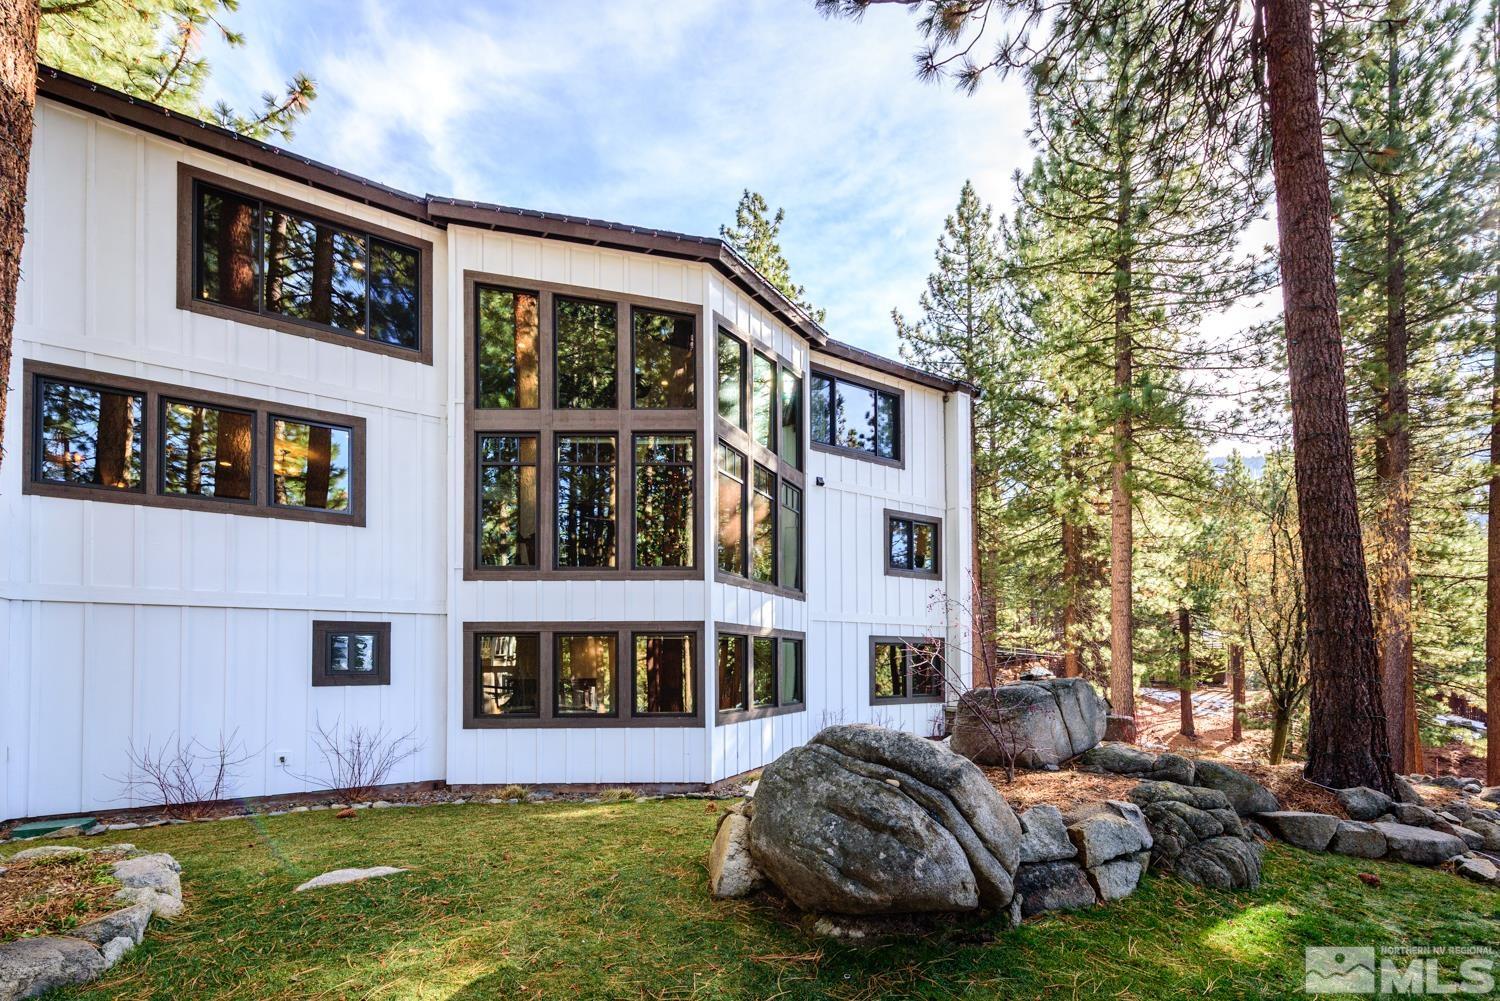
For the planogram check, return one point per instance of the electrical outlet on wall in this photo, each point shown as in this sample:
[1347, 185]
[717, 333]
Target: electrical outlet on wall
[283, 759]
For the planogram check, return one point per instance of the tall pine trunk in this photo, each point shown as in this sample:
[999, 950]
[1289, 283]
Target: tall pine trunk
[1347, 738]
[1185, 674]
[1121, 503]
[18, 26]
[1236, 693]
[1492, 577]
[1393, 579]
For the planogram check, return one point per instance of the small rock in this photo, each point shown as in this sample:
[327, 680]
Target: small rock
[1053, 886]
[1419, 845]
[150, 872]
[162, 905]
[1117, 758]
[32, 966]
[381, 804]
[1222, 863]
[340, 876]
[114, 949]
[1246, 795]
[1480, 870]
[1363, 803]
[127, 826]
[1310, 831]
[1488, 831]
[1358, 839]
[1173, 768]
[1103, 838]
[731, 872]
[1413, 814]
[128, 922]
[300, 809]
[1404, 793]
[46, 851]
[1045, 836]
[1116, 880]
[1490, 794]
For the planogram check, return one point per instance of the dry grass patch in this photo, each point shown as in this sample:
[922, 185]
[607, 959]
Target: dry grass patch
[1064, 789]
[49, 896]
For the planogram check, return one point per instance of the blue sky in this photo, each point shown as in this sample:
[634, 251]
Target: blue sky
[655, 114]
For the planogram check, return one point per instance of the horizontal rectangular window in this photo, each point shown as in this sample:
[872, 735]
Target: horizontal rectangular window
[130, 441]
[351, 653]
[855, 417]
[906, 670]
[88, 436]
[262, 257]
[508, 498]
[759, 674]
[911, 543]
[603, 674]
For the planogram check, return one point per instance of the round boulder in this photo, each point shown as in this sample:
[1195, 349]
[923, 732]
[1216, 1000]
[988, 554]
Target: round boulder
[1035, 724]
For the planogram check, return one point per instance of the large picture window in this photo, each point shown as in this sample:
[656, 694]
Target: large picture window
[585, 499]
[303, 271]
[856, 418]
[759, 673]
[911, 545]
[664, 488]
[587, 336]
[906, 670]
[126, 440]
[509, 368]
[508, 500]
[666, 360]
[563, 675]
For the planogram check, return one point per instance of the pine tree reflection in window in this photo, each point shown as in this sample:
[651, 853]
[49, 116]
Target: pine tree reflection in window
[763, 408]
[763, 518]
[315, 271]
[731, 660]
[509, 362]
[586, 501]
[395, 279]
[89, 436]
[206, 452]
[586, 336]
[663, 674]
[508, 671]
[763, 672]
[666, 370]
[664, 500]
[508, 500]
[731, 510]
[586, 674]
[310, 465]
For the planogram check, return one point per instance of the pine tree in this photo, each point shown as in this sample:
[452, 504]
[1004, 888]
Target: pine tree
[1406, 179]
[756, 236]
[958, 335]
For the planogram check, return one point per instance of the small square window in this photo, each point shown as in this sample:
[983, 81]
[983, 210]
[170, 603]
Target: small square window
[351, 653]
[906, 670]
[911, 545]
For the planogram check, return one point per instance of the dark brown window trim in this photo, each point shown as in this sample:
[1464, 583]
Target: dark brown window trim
[937, 556]
[726, 716]
[908, 699]
[323, 630]
[547, 423]
[625, 715]
[742, 440]
[150, 494]
[899, 462]
[188, 179]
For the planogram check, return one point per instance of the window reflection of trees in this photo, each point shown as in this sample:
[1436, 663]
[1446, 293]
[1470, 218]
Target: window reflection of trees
[206, 452]
[586, 336]
[665, 366]
[310, 465]
[508, 500]
[663, 673]
[509, 359]
[586, 506]
[89, 436]
[586, 674]
[508, 672]
[664, 500]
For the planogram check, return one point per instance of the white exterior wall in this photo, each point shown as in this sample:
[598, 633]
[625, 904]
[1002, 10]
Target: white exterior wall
[123, 624]
[131, 624]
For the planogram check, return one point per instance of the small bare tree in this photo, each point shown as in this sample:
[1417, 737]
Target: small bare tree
[358, 759]
[185, 779]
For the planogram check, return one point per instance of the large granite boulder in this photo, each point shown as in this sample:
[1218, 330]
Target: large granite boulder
[1045, 837]
[865, 820]
[1419, 845]
[1363, 803]
[1117, 758]
[1039, 724]
[1246, 795]
[1309, 831]
[1359, 839]
[1196, 834]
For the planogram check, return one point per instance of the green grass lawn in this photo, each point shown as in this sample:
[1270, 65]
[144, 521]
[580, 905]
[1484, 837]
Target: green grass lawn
[609, 900]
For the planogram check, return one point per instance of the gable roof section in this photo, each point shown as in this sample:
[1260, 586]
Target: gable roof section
[440, 211]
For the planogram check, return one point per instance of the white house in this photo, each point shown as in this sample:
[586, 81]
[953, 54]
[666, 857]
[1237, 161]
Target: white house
[574, 502]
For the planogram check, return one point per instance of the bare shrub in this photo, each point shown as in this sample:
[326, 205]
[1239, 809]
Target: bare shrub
[185, 779]
[358, 759]
[515, 792]
[622, 794]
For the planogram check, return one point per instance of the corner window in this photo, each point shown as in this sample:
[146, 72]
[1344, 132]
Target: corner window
[310, 465]
[763, 408]
[206, 451]
[731, 380]
[298, 269]
[351, 653]
[88, 436]
[666, 361]
[763, 531]
[664, 486]
[759, 674]
[508, 497]
[855, 417]
[911, 543]
[791, 418]
[508, 352]
[789, 537]
[600, 675]
[664, 674]
[586, 505]
[906, 670]
[586, 336]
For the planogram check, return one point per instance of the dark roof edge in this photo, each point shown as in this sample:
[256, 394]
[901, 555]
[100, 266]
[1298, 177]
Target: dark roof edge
[134, 112]
[880, 363]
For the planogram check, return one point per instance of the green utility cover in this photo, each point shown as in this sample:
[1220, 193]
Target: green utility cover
[42, 828]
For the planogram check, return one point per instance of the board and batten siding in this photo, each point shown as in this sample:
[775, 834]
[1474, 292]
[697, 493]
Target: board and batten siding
[123, 625]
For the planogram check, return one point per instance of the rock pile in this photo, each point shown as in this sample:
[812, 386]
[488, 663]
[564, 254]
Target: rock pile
[150, 886]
